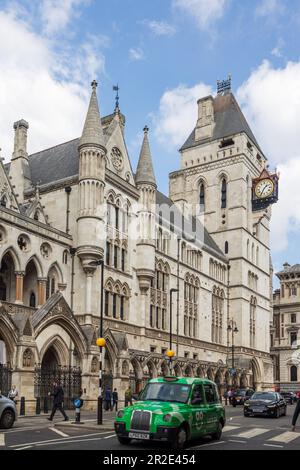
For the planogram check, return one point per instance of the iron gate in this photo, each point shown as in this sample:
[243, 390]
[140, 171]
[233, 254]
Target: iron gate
[5, 379]
[68, 377]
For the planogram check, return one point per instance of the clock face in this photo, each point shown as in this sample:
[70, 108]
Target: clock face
[264, 188]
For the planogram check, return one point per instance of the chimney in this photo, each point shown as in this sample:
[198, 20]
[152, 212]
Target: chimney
[20, 144]
[206, 119]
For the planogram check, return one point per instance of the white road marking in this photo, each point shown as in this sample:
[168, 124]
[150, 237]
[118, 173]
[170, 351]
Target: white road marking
[286, 437]
[66, 439]
[109, 437]
[2, 440]
[235, 440]
[230, 428]
[273, 445]
[60, 433]
[24, 448]
[68, 442]
[208, 445]
[253, 433]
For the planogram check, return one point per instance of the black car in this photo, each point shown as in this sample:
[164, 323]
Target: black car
[290, 397]
[240, 396]
[270, 404]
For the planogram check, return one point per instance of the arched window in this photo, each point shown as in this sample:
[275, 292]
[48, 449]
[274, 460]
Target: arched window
[224, 194]
[65, 257]
[191, 302]
[36, 215]
[294, 374]
[202, 197]
[2, 290]
[159, 302]
[3, 201]
[226, 248]
[32, 300]
[217, 315]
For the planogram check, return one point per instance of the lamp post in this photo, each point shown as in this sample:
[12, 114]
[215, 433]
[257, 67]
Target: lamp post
[232, 327]
[171, 353]
[101, 343]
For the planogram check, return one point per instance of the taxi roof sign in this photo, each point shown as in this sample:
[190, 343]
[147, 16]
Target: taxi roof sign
[170, 379]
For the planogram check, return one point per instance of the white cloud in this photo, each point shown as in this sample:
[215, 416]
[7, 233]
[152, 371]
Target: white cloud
[177, 114]
[57, 14]
[270, 99]
[41, 86]
[278, 49]
[136, 54]
[205, 12]
[160, 28]
[269, 7]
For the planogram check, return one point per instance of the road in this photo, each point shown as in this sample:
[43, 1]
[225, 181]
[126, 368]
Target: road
[240, 433]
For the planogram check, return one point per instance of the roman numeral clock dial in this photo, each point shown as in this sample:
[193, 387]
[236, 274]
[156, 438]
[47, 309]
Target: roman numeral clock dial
[264, 188]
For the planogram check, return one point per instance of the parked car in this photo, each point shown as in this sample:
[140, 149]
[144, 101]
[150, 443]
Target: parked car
[173, 410]
[290, 397]
[8, 412]
[240, 396]
[270, 404]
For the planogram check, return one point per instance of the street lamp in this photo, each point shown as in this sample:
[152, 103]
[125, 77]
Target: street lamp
[171, 353]
[232, 327]
[101, 343]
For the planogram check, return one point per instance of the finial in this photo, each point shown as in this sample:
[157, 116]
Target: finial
[117, 89]
[224, 86]
[94, 85]
[37, 189]
[146, 129]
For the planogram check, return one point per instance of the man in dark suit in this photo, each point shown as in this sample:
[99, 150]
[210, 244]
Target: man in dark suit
[58, 399]
[296, 413]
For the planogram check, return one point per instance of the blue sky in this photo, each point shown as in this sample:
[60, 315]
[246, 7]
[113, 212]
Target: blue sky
[164, 54]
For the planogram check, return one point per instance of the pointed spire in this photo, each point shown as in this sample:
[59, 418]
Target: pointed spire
[145, 172]
[92, 132]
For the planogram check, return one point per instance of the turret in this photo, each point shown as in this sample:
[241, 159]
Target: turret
[19, 167]
[146, 184]
[91, 213]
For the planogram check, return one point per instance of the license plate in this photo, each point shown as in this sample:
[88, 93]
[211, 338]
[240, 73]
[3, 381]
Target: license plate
[137, 435]
[257, 410]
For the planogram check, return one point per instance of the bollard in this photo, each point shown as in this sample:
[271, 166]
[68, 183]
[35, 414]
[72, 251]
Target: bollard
[22, 406]
[45, 405]
[77, 415]
[38, 406]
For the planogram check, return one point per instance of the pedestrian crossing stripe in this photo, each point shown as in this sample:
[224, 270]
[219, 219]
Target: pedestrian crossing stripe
[252, 433]
[286, 437]
[230, 428]
[2, 440]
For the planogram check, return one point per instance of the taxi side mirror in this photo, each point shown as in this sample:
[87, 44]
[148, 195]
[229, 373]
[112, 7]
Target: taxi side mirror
[197, 401]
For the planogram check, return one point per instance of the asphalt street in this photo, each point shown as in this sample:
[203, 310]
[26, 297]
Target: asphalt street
[240, 433]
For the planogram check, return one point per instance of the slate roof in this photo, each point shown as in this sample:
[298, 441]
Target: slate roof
[202, 235]
[42, 312]
[229, 120]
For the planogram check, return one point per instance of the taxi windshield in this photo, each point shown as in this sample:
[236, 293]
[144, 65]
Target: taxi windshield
[167, 392]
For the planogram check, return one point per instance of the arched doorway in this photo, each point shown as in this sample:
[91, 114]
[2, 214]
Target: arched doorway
[51, 370]
[30, 284]
[5, 370]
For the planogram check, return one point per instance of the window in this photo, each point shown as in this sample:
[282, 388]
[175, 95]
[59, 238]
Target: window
[197, 394]
[152, 349]
[294, 374]
[253, 304]
[106, 309]
[202, 197]
[117, 218]
[195, 357]
[65, 257]
[163, 351]
[32, 300]
[226, 248]
[186, 355]
[122, 300]
[116, 252]
[293, 318]
[36, 215]
[224, 194]
[123, 259]
[191, 299]
[3, 201]
[114, 305]
[210, 393]
[217, 315]
[158, 297]
[294, 339]
[108, 253]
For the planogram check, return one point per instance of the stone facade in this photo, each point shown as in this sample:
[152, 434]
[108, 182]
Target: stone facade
[285, 345]
[65, 209]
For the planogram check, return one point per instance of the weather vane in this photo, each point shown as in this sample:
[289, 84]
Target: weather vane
[224, 86]
[117, 89]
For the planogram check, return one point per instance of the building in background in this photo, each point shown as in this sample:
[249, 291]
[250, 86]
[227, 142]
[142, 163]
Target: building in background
[65, 208]
[285, 336]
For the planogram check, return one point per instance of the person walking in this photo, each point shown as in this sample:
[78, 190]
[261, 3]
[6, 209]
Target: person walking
[108, 406]
[128, 396]
[13, 393]
[296, 414]
[58, 399]
[115, 399]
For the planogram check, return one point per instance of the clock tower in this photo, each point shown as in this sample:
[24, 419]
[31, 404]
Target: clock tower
[224, 180]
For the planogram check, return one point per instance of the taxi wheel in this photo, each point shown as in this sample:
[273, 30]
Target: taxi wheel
[124, 440]
[181, 439]
[7, 419]
[216, 436]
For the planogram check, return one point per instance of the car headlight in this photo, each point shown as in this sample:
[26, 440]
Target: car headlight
[271, 406]
[167, 418]
[120, 414]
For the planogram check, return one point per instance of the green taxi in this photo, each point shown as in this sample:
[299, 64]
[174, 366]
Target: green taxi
[173, 410]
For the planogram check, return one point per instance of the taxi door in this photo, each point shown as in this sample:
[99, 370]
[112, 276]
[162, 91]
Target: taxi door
[213, 407]
[199, 412]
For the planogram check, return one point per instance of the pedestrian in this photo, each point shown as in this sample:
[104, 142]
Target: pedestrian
[229, 394]
[128, 396]
[115, 399]
[13, 393]
[108, 406]
[58, 400]
[296, 414]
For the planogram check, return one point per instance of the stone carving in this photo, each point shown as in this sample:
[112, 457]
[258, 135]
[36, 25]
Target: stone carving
[27, 358]
[117, 159]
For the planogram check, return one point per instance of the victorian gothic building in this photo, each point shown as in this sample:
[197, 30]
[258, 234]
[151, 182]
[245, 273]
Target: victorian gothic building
[65, 208]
